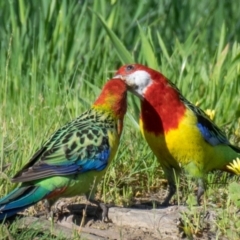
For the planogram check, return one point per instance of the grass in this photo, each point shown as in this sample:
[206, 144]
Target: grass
[55, 57]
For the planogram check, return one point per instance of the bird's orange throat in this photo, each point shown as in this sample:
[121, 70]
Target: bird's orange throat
[113, 98]
[117, 105]
[161, 109]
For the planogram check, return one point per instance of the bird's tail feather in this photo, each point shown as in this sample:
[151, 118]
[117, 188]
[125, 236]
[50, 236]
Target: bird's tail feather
[19, 199]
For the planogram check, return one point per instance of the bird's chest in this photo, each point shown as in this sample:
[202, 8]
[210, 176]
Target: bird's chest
[177, 146]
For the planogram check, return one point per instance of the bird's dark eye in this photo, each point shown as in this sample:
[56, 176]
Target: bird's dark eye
[129, 68]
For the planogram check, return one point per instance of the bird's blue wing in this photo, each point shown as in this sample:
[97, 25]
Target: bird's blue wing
[78, 147]
[210, 132]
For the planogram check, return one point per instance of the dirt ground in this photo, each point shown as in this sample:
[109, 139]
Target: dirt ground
[138, 222]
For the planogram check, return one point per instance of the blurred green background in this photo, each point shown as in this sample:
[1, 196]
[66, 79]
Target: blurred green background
[55, 57]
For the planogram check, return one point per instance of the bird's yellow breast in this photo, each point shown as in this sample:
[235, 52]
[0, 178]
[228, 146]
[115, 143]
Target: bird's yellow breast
[185, 144]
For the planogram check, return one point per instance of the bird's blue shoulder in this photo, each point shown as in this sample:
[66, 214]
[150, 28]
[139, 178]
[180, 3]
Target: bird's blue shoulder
[210, 132]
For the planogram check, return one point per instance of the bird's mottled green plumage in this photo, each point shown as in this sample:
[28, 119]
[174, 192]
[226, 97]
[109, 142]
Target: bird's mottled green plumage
[75, 157]
[79, 139]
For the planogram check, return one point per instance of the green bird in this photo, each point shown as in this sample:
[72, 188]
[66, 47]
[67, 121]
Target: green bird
[75, 157]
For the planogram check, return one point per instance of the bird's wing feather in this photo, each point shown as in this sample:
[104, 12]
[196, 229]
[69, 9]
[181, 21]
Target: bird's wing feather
[210, 132]
[79, 146]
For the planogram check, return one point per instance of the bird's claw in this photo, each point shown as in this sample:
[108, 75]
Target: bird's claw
[104, 209]
[170, 193]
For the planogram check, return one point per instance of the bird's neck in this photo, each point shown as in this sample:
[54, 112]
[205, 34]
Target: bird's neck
[113, 98]
[109, 116]
[112, 105]
[161, 109]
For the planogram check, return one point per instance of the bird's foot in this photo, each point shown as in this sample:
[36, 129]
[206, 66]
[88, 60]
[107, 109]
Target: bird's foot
[104, 207]
[165, 203]
[58, 209]
[154, 201]
[55, 211]
[170, 193]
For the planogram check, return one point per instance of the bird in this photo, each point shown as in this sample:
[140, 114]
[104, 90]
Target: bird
[180, 134]
[73, 160]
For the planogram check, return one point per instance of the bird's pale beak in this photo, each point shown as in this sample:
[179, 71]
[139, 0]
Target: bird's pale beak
[120, 76]
[124, 79]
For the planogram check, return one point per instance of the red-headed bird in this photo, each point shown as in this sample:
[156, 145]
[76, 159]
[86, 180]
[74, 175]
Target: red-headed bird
[75, 157]
[180, 134]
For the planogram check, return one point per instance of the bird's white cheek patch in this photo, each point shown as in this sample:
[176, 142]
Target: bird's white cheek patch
[139, 81]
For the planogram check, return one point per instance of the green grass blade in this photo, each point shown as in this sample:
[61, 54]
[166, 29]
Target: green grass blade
[147, 49]
[121, 50]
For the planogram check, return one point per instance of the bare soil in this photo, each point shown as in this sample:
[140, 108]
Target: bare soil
[138, 222]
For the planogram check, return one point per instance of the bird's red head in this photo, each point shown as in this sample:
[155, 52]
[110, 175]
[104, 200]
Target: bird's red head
[139, 77]
[161, 107]
[113, 97]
